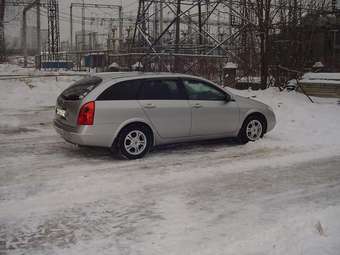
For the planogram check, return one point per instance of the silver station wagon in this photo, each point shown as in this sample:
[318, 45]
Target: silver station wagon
[131, 112]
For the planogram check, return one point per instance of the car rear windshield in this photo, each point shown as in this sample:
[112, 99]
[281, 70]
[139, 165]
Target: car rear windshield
[81, 88]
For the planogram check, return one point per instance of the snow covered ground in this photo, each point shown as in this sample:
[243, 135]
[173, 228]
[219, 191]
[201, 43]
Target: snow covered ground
[280, 195]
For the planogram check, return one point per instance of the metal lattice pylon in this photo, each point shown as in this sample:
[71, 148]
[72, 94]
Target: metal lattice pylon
[53, 28]
[187, 27]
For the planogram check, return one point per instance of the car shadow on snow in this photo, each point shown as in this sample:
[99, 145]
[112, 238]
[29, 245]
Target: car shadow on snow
[161, 150]
[15, 130]
[87, 152]
[199, 146]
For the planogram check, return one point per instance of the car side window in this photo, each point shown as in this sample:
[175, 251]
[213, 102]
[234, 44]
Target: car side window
[200, 90]
[126, 90]
[161, 89]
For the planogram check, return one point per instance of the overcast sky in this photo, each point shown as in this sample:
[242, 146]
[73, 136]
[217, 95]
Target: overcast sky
[14, 16]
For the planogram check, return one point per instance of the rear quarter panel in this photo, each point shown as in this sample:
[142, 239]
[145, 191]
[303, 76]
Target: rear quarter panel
[112, 116]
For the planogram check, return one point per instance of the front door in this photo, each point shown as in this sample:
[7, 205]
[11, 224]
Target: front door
[211, 113]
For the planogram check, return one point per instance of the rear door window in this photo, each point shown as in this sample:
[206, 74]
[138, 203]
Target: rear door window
[126, 90]
[81, 88]
[161, 89]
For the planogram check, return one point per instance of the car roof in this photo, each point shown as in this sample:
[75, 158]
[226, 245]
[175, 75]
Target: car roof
[139, 75]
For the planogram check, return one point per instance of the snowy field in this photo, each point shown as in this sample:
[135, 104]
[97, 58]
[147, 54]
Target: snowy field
[280, 195]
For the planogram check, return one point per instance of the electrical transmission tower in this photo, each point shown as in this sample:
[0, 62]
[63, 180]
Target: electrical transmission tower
[189, 27]
[53, 28]
[192, 36]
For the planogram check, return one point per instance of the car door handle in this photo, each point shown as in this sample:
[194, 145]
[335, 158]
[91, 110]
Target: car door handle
[197, 105]
[149, 106]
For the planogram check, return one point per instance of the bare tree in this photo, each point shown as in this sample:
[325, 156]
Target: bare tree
[284, 19]
[263, 11]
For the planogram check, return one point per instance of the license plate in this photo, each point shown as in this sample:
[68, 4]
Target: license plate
[61, 112]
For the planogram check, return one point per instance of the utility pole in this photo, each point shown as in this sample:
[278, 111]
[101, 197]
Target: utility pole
[161, 21]
[190, 28]
[38, 29]
[24, 37]
[200, 26]
[83, 27]
[231, 22]
[206, 16]
[71, 27]
[120, 26]
[143, 18]
[2, 31]
[335, 31]
[156, 21]
[219, 34]
[178, 33]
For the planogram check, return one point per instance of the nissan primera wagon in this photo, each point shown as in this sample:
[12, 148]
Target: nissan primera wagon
[132, 112]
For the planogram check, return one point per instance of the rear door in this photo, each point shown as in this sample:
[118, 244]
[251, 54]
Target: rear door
[211, 113]
[117, 104]
[70, 100]
[165, 103]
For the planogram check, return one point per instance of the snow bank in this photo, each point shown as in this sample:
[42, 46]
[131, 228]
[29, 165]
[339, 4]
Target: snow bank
[31, 93]
[28, 93]
[300, 123]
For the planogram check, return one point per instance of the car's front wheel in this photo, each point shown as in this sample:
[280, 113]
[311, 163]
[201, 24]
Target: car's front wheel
[134, 142]
[252, 129]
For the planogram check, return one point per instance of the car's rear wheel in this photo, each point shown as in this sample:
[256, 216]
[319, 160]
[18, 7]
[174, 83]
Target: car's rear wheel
[134, 142]
[252, 129]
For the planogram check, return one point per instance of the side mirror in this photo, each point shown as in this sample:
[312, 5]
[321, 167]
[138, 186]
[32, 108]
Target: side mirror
[228, 98]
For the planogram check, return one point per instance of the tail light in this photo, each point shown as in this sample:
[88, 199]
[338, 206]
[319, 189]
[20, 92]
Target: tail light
[86, 114]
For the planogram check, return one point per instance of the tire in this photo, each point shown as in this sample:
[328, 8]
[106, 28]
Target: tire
[253, 129]
[134, 142]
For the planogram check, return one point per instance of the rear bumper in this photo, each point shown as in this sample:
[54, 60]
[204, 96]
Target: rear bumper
[83, 135]
[70, 136]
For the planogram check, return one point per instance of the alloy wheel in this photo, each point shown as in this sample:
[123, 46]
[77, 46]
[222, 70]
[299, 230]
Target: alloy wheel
[254, 130]
[135, 142]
